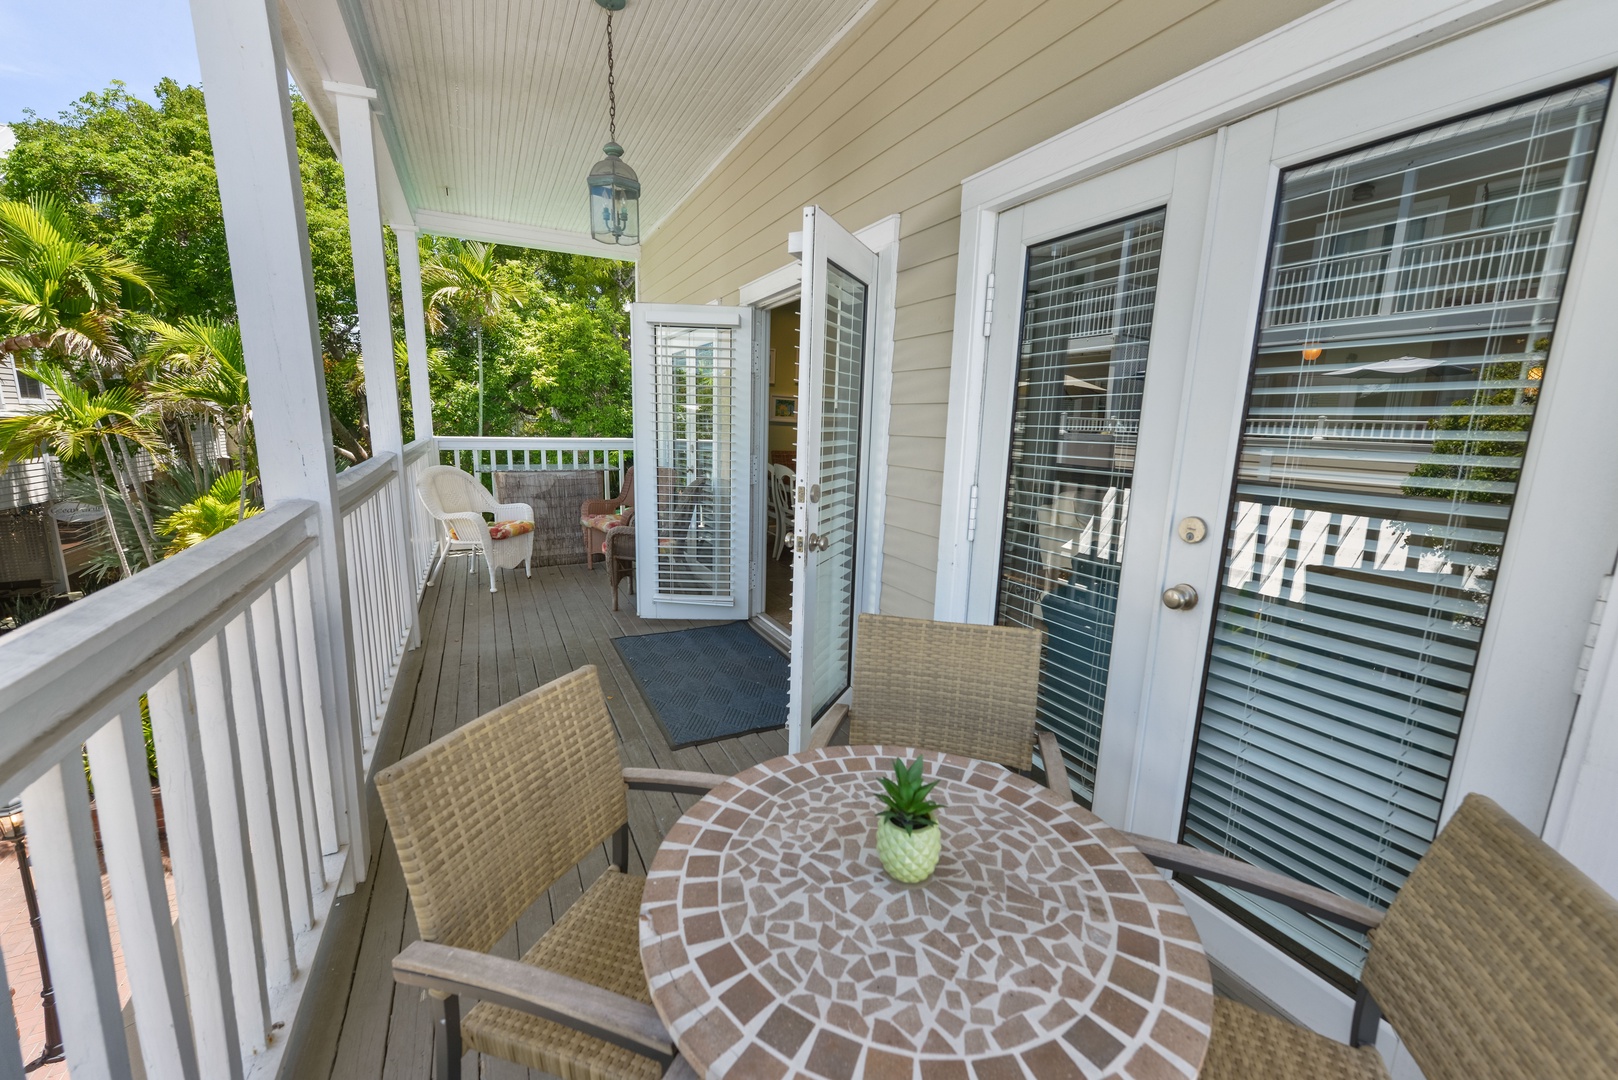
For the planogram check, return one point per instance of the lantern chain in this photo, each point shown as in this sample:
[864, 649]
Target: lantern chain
[612, 95]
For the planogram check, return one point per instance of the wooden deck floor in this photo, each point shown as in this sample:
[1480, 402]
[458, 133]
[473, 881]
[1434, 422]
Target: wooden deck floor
[479, 650]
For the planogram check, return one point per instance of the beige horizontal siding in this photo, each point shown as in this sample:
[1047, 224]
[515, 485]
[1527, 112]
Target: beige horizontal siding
[918, 96]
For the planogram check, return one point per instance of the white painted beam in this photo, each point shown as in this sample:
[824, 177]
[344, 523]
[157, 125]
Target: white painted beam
[415, 327]
[250, 120]
[466, 227]
[370, 264]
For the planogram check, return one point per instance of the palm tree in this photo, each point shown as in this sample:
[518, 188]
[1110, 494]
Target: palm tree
[206, 371]
[76, 428]
[59, 293]
[63, 295]
[210, 513]
[468, 281]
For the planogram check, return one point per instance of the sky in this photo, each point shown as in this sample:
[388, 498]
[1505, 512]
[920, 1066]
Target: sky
[55, 51]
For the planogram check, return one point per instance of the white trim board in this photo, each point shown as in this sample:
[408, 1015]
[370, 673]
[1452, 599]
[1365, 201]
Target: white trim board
[772, 288]
[491, 231]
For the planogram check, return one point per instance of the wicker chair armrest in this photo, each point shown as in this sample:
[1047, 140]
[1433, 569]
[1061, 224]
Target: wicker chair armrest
[600, 506]
[518, 511]
[622, 540]
[826, 728]
[1050, 752]
[1258, 881]
[677, 781]
[472, 518]
[546, 994]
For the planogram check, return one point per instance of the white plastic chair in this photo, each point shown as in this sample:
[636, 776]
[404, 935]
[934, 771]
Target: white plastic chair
[458, 502]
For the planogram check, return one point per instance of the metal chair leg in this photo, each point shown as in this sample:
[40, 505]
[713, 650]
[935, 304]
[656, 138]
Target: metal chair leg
[447, 1045]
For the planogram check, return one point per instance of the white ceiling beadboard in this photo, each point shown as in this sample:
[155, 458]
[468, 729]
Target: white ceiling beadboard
[495, 110]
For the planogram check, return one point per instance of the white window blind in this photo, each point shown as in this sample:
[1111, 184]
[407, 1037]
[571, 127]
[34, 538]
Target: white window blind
[837, 512]
[1410, 309]
[694, 369]
[1086, 329]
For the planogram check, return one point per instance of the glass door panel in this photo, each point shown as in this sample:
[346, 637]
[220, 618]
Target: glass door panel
[835, 346]
[1086, 334]
[1410, 305]
[692, 441]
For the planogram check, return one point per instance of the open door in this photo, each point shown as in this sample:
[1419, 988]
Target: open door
[836, 343]
[693, 399]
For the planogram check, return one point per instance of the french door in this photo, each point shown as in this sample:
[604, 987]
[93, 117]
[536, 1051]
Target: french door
[693, 401]
[1084, 384]
[1369, 439]
[836, 344]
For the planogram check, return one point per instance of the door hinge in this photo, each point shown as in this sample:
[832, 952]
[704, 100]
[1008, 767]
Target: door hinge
[988, 305]
[1587, 655]
[972, 514]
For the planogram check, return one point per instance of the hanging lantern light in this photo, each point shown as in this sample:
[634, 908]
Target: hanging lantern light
[614, 187]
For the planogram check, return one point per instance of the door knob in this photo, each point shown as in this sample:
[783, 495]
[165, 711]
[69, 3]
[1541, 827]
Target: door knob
[1180, 597]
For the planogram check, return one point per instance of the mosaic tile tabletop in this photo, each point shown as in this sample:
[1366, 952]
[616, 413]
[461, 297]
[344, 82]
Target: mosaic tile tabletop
[1043, 946]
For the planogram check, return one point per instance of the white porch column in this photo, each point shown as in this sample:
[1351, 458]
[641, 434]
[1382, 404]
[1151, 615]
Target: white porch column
[415, 325]
[370, 264]
[250, 120]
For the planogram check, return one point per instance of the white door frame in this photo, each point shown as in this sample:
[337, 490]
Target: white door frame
[1333, 101]
[783, 285]
[644, 318]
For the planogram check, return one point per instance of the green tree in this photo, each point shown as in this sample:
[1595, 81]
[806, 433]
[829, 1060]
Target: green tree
[76, 428]
[139, 179]
[206, 373]
[63, 295]
[467, 282]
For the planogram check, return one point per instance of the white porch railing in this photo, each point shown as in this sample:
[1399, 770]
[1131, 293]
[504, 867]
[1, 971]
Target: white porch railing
[381, 534]
[221, 645]
[480, 456]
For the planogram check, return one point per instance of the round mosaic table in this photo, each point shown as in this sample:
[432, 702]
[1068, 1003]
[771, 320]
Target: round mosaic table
[1043, 946]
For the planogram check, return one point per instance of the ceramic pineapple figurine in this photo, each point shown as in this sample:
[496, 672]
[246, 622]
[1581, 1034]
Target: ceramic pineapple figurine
[908, 839]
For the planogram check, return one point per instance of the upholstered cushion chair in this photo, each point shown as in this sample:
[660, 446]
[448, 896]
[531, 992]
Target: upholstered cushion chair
[963, 689]
[458, 502]
[598, 517]
[485, 821]
[1498, 960]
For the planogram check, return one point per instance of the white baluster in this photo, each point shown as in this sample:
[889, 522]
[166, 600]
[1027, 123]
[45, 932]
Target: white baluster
[297, 729]
[135, 872]
[186, 811]
[10, 1048]
[253, 768]
[62, 847]
[324, 787]
[278, 744]
[215, 732]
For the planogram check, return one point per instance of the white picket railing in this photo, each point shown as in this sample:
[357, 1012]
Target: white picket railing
[383, 585]
[482, 455]
[419, 456]
[221, 642]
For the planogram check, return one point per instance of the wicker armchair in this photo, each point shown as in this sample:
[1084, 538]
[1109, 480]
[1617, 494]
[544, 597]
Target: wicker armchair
[621, 560]
[1498, 960]
[485, 820]
[963, 689]
[458, 502]
[599, 517]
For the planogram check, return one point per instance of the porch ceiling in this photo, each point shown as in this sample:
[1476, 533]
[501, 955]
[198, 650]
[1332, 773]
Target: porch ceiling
[494, 110]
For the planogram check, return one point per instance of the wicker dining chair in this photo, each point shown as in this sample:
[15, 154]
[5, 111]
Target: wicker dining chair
[1497, 960]
[963, 689]
[485, 820]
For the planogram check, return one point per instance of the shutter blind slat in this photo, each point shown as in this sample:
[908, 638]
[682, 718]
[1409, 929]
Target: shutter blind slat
[693, 374]
[1408, 312]
[1086, 330]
